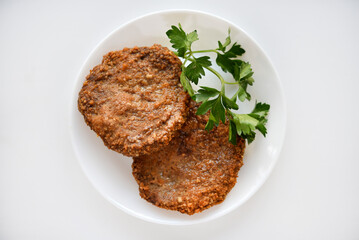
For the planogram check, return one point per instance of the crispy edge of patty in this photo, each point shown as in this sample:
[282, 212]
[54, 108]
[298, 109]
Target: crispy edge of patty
[150, 183]
[124, 147]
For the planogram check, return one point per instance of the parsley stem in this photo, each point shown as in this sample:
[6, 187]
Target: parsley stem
[233, 83]
[205, 51]
[234, 98]
[183, 65]
[217, 74]
[220, 78]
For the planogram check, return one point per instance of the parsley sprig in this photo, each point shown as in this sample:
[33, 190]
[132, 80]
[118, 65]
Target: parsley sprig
[216, 101]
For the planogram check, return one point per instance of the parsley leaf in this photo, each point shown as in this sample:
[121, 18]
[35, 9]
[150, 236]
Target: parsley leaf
[232, 132]
[204, 93]
[218, 111]
[246, 71]
[225, 63]
[180, 40]
[228, 103]
[234, 51]
[210, 124]
[261, 110]
[205, 106]
[195, 70]
[222, 47]
[245, 124]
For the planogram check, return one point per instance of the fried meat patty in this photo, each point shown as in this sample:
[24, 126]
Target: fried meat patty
[195, 171]
[134, 100]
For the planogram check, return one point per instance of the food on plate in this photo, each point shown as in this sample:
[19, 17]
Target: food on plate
[134, 100]
[138, 101]
[195, 171]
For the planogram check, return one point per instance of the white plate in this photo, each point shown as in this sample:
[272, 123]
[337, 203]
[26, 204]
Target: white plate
[111, 173]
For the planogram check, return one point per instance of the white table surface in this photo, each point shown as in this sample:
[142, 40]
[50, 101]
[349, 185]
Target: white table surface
[313, 192]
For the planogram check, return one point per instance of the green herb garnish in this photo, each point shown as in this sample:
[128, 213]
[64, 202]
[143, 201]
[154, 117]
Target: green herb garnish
[217, 102]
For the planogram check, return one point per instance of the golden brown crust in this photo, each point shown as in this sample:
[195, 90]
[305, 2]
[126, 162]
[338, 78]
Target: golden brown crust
[134, 100]
[194, 172]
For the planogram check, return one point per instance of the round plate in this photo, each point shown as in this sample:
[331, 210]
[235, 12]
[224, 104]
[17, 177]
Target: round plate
[111, 172]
